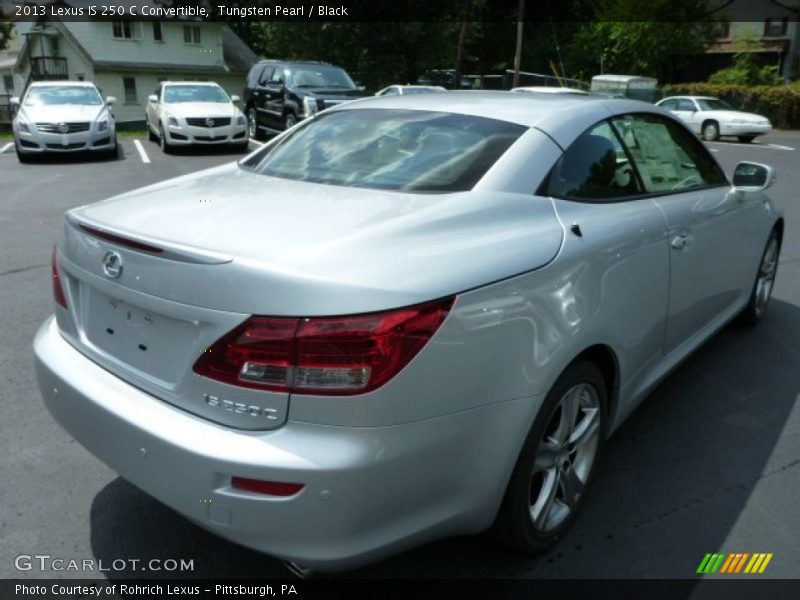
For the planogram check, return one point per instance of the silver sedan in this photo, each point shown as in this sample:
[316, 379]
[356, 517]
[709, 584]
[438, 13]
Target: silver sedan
[402, 319]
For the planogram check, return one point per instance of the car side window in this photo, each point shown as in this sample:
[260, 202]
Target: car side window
[686, 105]
[668, 157]
[277, 76]
[157, 92]
[595, 168]
[669, 104]
[265, 75]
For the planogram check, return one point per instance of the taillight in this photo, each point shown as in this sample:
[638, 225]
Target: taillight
[58, 290]
[270, 488]
[322, 355]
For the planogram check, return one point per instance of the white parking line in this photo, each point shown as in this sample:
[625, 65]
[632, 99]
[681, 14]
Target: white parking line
[6, 147]
[762, 146]
[256, 142]
[713, 149]
[142, 153]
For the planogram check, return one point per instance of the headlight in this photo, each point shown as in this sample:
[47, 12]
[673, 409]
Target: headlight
[309, 106]
[172, 121]
[102, 125]
[23, 127]
[240, 120]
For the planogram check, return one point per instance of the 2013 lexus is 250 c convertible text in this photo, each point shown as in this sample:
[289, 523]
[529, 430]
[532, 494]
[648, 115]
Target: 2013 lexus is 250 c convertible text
[403, 319]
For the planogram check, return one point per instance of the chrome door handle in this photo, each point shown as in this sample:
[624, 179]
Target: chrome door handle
[679, 242]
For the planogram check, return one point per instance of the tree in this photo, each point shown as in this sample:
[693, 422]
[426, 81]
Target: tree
[662, 39]
[5, 31]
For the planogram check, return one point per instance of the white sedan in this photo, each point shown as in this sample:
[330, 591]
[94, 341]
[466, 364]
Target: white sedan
[403, 90]
[712, 118]
[194, 113]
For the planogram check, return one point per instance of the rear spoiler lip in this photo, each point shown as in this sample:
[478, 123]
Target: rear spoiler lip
[144, 244]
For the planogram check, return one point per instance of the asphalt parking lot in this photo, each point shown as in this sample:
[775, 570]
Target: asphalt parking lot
[709, 463]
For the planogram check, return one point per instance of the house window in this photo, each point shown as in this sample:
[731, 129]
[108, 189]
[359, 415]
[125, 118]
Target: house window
[191, 34]
[158, 35]
[124, 30]
[55, 47]
[130, 90]
[8, 83]
[776, 27]
[722, 30]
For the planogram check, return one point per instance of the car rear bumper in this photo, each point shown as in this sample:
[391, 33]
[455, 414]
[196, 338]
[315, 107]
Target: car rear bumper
[369, 491]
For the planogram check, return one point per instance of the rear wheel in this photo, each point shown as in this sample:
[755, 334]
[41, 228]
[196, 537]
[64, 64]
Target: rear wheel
[557, 461]
[710, 131]
[252, 124]
[765, 281]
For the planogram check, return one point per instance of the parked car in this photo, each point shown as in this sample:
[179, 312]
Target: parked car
[712, 118]
[400, 320]
[63, 116]
[279, 93]
[399, 90]
[543, 89]
[187, 113]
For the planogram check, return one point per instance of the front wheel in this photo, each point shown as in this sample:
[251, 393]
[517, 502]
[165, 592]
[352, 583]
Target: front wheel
[252, 124]
[710, 131]
[289, 121]
[557, 461]
[21, 157]
[765, 281]
[166, 148]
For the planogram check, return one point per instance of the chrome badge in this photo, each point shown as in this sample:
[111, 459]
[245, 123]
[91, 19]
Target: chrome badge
[112, 265]
[209, 122]
[63, 128]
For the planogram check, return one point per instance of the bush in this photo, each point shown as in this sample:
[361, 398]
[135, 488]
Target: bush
[746, 71]
[779, 103]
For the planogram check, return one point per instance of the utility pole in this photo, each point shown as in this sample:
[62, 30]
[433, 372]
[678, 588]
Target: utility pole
[462, 42]
[518, 53]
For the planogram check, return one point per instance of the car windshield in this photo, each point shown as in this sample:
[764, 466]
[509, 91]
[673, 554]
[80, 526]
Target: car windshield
[713, 104]
[194, 93]
[404, 150]
[320, 76]
[52, 95]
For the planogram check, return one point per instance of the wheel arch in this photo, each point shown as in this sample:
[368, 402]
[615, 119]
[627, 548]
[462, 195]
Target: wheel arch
[778, 228]
[605, 359]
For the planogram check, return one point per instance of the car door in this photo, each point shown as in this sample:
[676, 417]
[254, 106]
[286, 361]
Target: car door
[615, 248]
[260, 95]
[688, 111]
[709, 233]
[274, 92]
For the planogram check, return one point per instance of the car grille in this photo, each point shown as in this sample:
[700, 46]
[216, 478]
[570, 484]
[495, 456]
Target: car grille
[218, 122]
[67, 147]
[53, 127]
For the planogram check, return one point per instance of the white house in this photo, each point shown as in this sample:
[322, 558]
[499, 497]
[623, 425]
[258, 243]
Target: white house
[127, 59]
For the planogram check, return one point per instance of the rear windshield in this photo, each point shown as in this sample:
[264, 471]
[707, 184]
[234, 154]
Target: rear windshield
[405, 150]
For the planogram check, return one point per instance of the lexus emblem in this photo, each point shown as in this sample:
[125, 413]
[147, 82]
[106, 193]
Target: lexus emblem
[209, 122]
[112, 265]
[63, 128]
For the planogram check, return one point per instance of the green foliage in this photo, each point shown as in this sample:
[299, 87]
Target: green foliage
[779, 103]
[661, 40]
[5, 31]
[746, 71]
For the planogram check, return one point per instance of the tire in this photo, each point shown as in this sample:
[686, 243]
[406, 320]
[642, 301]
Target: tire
[746, 139]
[289, 121]
[113, 153]
[252, 124]
[710, 131]
[764, 282]
[21, 157]
[530, 519]
[162, 140]
[150, 135]
[240, 147]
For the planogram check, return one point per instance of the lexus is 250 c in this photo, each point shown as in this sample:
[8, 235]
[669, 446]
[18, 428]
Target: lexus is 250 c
[402, 319]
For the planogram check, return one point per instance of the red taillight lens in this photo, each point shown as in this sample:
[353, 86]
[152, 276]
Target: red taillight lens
[271, 488]
[328, 355]
[58, 290]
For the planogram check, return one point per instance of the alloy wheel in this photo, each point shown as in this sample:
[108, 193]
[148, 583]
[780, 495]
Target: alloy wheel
[766, 276]
[564, 458]
[252, 126]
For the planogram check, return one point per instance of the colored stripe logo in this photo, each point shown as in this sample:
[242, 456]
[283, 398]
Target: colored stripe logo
[736, 562]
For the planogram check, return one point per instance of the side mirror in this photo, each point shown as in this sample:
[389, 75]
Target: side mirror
[235, 99]
[152, 98]
[14, 101]
[753, 177]
[111, 100]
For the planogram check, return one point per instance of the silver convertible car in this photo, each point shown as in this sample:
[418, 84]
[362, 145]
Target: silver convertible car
[400, 320]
